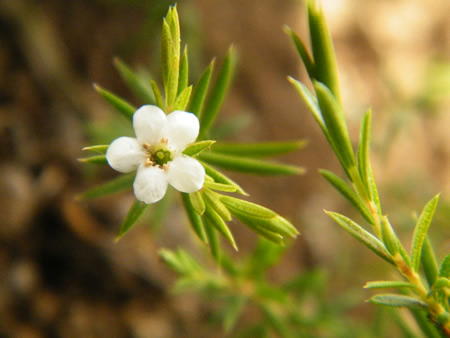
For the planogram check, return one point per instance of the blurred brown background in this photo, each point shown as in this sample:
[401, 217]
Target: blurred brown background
[62, 275]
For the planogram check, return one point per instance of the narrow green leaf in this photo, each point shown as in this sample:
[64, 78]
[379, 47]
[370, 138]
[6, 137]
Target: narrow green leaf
[335, 122]
[157, 93]
[180, 261]
[194, 219]
[135, 212]
[118, 184]
[197, 202]
[325, 68]
[256, 227]
[98, 159]
[200, 90]
[362, 235]
[136, 83]
[183, 99]
[197, 147]
[172, 260]
[220, 186]
[373, 189]
[213, 199]
[218, 223]
[445, 267]
[122, 106]
[429, 262]
[213, 239]
[173, 57]
[311, 102]
[258, 149]
[302, 51]
[263, 227]
[363, 149]
[174, 24]
[390, 239]
[348, 193]
[248, 165]
[233, 310]
[221, 178]
[100, 149]
[248, 209]
[388, 284]
[166, 53]
[420, 231]
[183, 79]
[172, 89]
[220, 88]
[398, 301]
[259, 216]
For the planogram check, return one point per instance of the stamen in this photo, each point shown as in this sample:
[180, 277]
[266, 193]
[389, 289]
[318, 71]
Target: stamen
[164, 141]
[148, 163]
[146, 146]
[164, 166]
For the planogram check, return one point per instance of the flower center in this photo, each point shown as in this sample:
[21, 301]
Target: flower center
[158, 155]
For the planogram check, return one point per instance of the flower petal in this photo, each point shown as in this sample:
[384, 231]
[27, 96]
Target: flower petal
[181, 129]
[150, 184]
[186, 174]
[124, 154]
[148, 122]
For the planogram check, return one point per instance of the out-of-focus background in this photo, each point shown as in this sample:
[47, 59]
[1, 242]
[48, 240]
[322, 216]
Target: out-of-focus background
[62, 274]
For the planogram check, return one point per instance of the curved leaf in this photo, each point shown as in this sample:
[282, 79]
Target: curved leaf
[135, 212]
[139, 86]
[215, 99]
[348, 193]
[398, 301]
[388, 284]
[420, 231]
[122, 106]
[118, 184]
[362, 235]
[200, 90]
[197, 147]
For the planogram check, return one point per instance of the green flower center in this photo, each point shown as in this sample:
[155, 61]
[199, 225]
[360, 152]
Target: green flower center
[158, 155]
[161, 157]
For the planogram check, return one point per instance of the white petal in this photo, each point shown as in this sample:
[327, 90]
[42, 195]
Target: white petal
[186, 174]
[181, 129]
[148, 122]
[124, 154]
[150, 184]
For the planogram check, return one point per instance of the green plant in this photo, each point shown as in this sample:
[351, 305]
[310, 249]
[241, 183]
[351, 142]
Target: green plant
[202, 186]
[425, 293]
[209, 202]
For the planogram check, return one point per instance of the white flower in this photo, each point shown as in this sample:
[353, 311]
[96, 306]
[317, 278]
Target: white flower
[156, 153]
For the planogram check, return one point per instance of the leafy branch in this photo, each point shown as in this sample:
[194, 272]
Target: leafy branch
[362, 191]
[210, 208]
